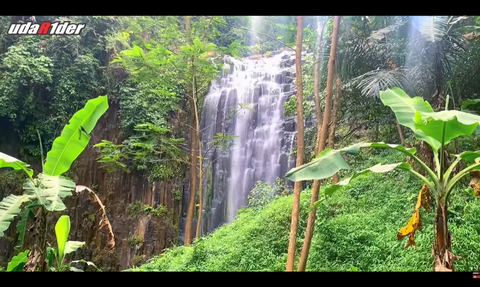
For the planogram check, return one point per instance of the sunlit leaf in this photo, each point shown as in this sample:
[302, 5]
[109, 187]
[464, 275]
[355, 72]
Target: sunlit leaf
[329, 162]
[72, 246]
[62, 229]
[405, 108]
[10, 207]
[74, 137]
[50, 190]
[8, 161]
[446, 125]
[379, 168]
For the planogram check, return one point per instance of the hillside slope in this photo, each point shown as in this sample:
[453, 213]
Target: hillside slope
[355, 230]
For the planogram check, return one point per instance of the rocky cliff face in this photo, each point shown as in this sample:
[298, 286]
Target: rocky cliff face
[143, 214]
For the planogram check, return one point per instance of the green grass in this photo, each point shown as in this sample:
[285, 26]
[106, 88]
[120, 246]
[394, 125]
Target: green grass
[356, 228]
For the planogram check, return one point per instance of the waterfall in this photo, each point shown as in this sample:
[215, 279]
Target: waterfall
[247, 103]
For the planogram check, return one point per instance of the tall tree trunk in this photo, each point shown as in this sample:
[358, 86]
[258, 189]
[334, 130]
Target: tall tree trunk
[443, 257]
[316, 183]
[331, 71]
[200, 177]
[300, 143]
[193, 149]
[331, 131]
[400, 132]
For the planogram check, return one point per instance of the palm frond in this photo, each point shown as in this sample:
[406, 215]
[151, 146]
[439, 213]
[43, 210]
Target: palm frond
[433, 28]
[371, 83]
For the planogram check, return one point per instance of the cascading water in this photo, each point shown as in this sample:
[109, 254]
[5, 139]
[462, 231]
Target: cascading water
[247, 103]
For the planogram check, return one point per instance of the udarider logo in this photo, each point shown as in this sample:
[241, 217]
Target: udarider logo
[46, 28]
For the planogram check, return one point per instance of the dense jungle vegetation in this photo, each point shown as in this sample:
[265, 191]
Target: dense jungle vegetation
[386, 177]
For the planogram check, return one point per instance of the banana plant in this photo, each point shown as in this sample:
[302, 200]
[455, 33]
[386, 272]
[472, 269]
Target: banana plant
[436, 129]
[64, 247]
[48, 189]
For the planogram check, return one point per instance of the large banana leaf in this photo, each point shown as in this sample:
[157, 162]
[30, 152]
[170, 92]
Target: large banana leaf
[405, 108]
[8, 161]
[50, 190]
[74, 137]
[330, 161]
[379, 168]
[9, 208]
[446, 125]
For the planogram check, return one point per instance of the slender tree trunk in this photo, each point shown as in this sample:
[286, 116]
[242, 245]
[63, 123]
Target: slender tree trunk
[300, 143]
[400, 132]
[200, 177]
[193, 179]
[193, 150]
[331, 132]
[443, 257]
[320, 144]
[331, 71]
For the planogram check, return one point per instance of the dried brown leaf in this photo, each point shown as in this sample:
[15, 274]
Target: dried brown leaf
[104, 222]
[410, 242]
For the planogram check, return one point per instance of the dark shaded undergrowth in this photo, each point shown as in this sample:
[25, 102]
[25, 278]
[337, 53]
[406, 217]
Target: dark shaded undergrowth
[355, 230]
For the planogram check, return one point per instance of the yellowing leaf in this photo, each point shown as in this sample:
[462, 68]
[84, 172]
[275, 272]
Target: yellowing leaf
[414, 224]
[474, 182]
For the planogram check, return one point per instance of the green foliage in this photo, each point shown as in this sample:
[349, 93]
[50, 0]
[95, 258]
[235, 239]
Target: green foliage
[74, 137]
[8, 161]
[177, 194]
[356, 227]
[138, 209]
[18, 261]
[331, 161]
[151, 148]
[47, 190]
[134, 240]
[64, 247]
[10, 207]
[45, 79]
[262, 193]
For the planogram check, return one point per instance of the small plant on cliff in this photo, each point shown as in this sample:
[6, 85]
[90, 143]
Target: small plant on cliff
[137, 209]
[436, 129]
[44, 193]
[134, 240]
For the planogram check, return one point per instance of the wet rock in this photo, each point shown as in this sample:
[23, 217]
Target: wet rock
[279, 78]
[289, 124]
